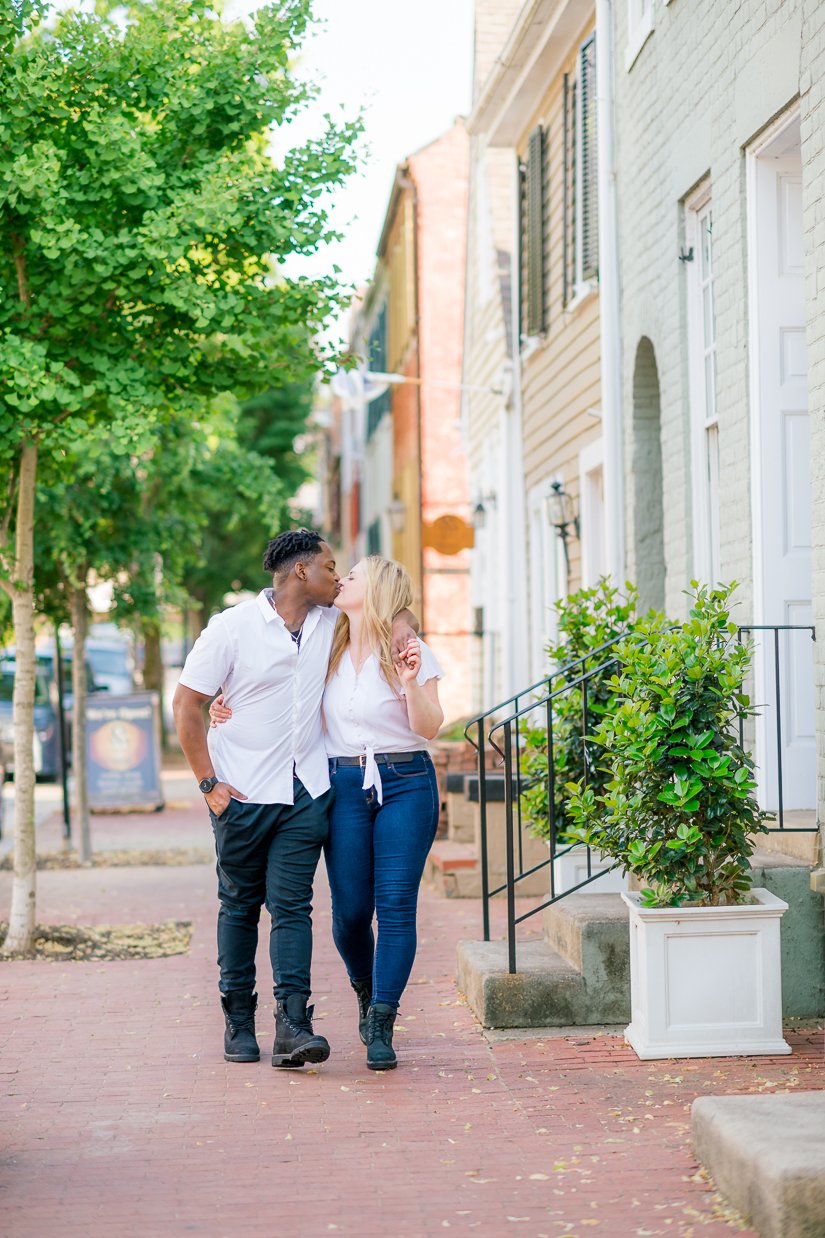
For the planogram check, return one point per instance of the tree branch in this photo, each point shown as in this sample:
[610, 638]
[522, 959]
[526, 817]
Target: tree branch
[19, 255]
[5, 524]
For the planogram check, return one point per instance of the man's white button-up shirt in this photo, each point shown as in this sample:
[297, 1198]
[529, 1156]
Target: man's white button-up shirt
[274, 690]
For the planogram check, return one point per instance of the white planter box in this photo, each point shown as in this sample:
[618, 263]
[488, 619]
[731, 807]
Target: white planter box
[571, 868]
[706, 981]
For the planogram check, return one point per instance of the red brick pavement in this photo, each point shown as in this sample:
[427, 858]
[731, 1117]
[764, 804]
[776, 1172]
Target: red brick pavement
[122, 1118]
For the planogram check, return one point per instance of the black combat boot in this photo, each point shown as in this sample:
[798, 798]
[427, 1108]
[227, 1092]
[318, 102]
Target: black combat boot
[295, 1042]
[363, 991]
[380, 1053]
[239, 1042]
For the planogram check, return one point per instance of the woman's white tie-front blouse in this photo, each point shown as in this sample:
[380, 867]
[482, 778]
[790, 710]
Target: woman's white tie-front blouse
[363, 715]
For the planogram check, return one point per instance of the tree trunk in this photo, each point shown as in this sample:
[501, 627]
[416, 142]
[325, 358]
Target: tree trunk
[22, 921]
[80, 625]
[153, 670]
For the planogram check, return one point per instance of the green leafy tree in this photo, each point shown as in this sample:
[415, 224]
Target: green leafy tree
[142, 224]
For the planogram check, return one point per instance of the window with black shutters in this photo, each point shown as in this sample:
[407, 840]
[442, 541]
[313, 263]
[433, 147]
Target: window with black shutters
[589, 179]
[534, 232]
[377, 362]
[580, 229]
[374, 538]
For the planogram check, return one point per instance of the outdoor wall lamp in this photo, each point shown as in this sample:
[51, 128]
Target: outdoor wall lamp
[397, 512]
[485, 503]
[562, 515]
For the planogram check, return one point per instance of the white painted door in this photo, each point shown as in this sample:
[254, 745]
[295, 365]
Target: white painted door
[782, 510]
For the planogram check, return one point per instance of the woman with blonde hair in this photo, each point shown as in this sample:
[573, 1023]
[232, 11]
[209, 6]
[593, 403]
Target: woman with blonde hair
[377, 710]
[385, 813]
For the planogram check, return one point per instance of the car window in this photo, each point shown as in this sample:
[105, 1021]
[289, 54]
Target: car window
[109, 661]
[41, 686]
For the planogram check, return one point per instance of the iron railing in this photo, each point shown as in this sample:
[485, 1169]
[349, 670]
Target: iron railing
[504, 737]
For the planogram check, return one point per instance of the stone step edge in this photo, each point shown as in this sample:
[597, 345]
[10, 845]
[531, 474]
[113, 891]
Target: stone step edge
[545, 991]
[766, 1155]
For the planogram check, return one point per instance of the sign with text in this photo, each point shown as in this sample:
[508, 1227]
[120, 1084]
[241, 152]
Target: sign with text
[123, 751]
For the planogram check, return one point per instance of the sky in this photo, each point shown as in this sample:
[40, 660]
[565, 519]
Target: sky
[409, 66]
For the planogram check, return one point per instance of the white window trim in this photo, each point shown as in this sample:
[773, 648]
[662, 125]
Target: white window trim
[591, 458]
[545, 545]
[638, 36]
[699, 421]
[584, 291]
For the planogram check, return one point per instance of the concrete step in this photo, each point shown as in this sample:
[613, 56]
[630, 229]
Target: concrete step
[799, 838]
[591, 932]
[588, 940]
[803, 932]
[545, 991]
[461, 816]
[587, 935]
[767, 1157]
[452, 869]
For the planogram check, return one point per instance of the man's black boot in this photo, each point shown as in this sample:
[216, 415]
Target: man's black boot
[363, 991]
[239, 1041]
[295, 1042]
[380, 1053]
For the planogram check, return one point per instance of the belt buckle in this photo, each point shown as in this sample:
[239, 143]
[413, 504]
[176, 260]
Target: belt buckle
[362, 760]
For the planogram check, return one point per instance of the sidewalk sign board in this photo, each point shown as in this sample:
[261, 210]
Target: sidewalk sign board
[123, 751]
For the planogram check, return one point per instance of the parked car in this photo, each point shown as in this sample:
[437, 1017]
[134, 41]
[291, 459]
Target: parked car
[112, 662]
[46, 734]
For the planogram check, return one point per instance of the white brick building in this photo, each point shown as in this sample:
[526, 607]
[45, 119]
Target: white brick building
[720, 176]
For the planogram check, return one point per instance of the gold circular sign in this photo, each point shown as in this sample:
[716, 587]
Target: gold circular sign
[448, 535]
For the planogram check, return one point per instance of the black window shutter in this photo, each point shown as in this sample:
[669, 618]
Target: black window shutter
[569, 190]
[589, 155]
[535, 232]
[377, 361]
[522, 251]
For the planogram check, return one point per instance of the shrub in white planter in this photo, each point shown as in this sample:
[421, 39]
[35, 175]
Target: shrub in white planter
[678, 809]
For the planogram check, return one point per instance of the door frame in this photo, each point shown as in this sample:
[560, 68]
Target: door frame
[752, 155]
[765, 754]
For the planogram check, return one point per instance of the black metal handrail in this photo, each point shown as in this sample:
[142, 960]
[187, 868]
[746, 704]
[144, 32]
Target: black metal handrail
[510, 752]
[483, 735]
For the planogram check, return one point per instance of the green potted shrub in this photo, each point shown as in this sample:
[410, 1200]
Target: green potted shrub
[678, 810]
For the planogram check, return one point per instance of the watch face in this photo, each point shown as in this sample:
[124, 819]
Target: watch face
[207, 785]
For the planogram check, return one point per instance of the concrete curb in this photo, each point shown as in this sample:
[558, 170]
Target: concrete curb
[767, 1157]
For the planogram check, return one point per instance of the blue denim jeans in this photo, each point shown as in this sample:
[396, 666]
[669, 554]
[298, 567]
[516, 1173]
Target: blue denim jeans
[375, 856]
[268, 853]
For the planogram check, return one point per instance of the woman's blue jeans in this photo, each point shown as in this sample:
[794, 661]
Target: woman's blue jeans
[375, 856]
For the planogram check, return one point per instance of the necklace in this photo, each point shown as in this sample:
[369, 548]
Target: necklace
[296, 636]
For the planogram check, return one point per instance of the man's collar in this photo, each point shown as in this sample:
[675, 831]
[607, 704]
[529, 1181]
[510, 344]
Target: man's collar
[267, 609]
[269, 612]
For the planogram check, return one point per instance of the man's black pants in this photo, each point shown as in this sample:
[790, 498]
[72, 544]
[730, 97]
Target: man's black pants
[268, 853]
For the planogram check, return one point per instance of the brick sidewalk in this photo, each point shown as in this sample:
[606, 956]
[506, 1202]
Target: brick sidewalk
[123, 1118]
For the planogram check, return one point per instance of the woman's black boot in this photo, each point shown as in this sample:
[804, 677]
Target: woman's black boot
[239, 1042]
[363, 991]
[380, 1053]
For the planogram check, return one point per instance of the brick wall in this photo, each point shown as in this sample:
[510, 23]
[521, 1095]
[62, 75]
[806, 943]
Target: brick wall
[440, 173]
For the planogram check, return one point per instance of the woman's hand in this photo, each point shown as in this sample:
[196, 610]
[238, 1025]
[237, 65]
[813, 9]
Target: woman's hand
[218, 712]
[408, 663]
